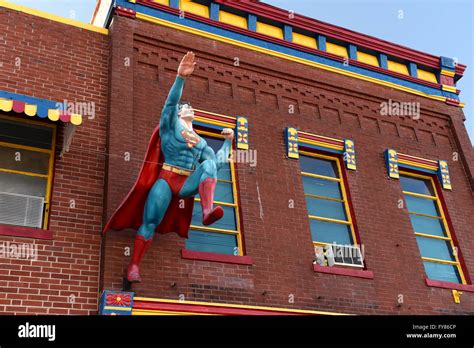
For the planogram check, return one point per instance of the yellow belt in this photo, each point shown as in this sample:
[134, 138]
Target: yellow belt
[177, 170]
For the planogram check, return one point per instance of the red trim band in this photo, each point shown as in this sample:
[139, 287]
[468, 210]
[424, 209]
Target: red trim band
[213, 257]
[447, 285]
[126, 12]
[25, 232]
[344, 271]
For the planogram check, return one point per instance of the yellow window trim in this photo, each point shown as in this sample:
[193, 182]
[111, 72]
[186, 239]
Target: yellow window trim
[420, 234]
[344, 195]
[238, 232]
[444, 221]
[419, 195]
[325, 198]
[49, 183]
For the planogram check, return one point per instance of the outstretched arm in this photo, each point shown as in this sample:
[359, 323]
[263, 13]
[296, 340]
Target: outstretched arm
[222, 156]
[169, 115]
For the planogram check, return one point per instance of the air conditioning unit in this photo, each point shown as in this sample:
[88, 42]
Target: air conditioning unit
[339, 255]
[21, 210]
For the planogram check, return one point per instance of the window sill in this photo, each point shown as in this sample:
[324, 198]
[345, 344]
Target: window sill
[25, 232]
[448, 285]
[344, 271]
[213, 257]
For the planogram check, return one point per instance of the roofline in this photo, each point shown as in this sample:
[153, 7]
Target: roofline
[53, 17]
[334, 31]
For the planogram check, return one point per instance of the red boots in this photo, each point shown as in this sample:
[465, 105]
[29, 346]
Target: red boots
[133, 271]
[206, 192]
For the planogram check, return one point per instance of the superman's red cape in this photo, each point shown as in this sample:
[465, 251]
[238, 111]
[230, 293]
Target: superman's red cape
[130, 212]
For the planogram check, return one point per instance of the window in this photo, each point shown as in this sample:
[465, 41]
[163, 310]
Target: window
[326, 200]
[222, 237]
[26, 167]
[431, 229]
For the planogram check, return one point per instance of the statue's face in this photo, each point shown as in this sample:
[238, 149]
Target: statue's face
[187, 112]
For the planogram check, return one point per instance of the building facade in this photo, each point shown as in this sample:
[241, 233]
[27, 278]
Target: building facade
[350, 193]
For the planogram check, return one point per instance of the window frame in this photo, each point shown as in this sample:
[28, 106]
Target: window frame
[49, 176]
[238, 232]
[342, 182]
[437, 198]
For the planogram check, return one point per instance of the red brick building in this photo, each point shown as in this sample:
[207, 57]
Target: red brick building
[343, 140]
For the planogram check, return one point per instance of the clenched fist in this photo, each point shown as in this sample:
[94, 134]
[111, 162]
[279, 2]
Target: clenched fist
[228, 134]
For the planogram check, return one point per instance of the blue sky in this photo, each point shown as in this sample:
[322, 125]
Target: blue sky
[440, 27]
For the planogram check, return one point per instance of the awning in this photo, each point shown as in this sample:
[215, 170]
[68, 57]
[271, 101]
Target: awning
[41, 108]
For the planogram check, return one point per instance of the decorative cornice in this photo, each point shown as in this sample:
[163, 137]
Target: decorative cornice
[216, 30]
[336, 32]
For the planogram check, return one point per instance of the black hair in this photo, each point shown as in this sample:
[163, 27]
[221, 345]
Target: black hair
[181, 104]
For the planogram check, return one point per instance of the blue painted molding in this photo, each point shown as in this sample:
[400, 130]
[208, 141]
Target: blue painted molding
[288, 33]
[383, 61]
[447, 63]
[174, 3]
[413, 69]
[214, 11]
[353, 52]
[252, 22]
[322, 42]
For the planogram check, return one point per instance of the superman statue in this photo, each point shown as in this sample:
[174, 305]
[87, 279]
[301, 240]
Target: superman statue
[178, 165]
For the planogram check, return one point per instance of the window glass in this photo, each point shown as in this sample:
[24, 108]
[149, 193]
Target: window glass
[17, 132]
[319, 166]
[428, 230]
[322, 187]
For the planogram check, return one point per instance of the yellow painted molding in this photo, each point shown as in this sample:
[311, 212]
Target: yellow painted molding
[367, 58]
[448, 73]
[232, 19]
[269, 30]
[427, 75]
[53, 17]
[307, 62]
[304, 40]
[398, 67]
[447, 88]
[337, 49]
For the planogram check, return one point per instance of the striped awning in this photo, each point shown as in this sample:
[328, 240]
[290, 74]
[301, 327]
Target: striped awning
[41, 108]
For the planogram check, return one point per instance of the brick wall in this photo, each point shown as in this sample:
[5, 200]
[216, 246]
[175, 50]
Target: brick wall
[59, 62]
[262, 88]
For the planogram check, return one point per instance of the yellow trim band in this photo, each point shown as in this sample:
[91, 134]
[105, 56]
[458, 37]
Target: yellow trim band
[168, 24]
[52, 17]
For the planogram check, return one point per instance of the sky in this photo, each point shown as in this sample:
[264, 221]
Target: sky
[439, 27]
